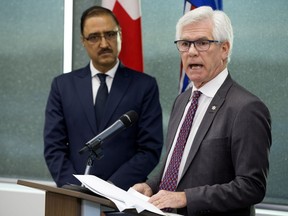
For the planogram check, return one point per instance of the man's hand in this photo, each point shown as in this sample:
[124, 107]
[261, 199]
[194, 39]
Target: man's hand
[168, 199]
[143, 188]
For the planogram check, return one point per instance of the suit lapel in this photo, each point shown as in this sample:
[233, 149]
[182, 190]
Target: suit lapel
[207, 120]
[83, 85]
[118, 90]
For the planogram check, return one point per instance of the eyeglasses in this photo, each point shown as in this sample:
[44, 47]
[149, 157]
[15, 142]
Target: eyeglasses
[96, 37]
[200, 45]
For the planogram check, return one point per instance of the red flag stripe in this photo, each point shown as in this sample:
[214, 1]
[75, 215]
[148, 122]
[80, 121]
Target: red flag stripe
[131, 52]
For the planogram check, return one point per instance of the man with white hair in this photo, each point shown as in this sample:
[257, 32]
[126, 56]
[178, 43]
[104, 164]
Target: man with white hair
[219, 166]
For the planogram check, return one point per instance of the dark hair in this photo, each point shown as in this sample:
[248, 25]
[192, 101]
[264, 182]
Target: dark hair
[96, 11]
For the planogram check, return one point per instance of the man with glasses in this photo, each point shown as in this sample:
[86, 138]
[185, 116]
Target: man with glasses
[219, 166]
[86, 101]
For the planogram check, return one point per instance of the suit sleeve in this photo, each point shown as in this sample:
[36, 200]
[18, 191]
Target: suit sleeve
[149, 140]
[56, 140]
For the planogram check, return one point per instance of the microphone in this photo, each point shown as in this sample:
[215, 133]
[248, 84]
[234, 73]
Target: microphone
[125, 121]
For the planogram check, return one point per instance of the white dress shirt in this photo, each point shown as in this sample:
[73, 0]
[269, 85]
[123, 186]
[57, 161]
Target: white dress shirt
[96, 81]
[208, 92]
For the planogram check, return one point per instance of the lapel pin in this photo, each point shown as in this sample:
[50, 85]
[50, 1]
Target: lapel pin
[213, 108]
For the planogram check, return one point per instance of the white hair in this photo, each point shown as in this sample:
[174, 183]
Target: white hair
[222, 28]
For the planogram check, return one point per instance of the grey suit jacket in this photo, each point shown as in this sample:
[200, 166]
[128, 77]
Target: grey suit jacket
[226, 170]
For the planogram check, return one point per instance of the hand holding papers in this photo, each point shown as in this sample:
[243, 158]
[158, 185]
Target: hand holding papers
[130, 199]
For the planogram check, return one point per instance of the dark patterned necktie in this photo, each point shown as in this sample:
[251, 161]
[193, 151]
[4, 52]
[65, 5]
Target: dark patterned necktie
[102, 95]
[169, 181]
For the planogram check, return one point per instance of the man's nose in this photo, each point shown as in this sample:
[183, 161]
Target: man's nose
[192, 49]
[103, 41]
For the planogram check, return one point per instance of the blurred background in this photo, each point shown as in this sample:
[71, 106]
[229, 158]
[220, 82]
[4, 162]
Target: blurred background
[32, 53]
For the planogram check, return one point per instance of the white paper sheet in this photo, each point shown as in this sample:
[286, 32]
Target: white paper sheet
[122, 199]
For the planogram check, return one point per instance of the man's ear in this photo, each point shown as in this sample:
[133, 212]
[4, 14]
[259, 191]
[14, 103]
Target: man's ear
[120, 34]
[82, 41]
[225, 46]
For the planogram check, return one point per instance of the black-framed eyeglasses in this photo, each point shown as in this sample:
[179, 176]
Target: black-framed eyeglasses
[200, 45]
[96, 37]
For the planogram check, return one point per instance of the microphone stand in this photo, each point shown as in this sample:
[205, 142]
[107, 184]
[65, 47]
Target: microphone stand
[95, 153]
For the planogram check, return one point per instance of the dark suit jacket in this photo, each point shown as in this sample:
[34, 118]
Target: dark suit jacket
[70, 123]
[226, 170]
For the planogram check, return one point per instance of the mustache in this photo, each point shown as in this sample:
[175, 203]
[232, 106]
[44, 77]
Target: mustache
[105, 50]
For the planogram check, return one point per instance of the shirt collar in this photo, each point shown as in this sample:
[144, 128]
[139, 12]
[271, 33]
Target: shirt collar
[110, 73]
[211, 87]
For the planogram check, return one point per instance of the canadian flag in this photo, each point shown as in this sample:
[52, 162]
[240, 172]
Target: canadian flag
[128, 14]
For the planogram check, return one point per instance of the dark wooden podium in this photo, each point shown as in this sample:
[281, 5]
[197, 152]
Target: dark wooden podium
[64, 202]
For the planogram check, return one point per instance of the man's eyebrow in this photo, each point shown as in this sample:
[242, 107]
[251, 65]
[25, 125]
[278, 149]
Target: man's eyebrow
[201, 38]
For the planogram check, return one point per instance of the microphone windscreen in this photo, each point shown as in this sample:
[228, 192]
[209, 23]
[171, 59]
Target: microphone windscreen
[129, 118]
